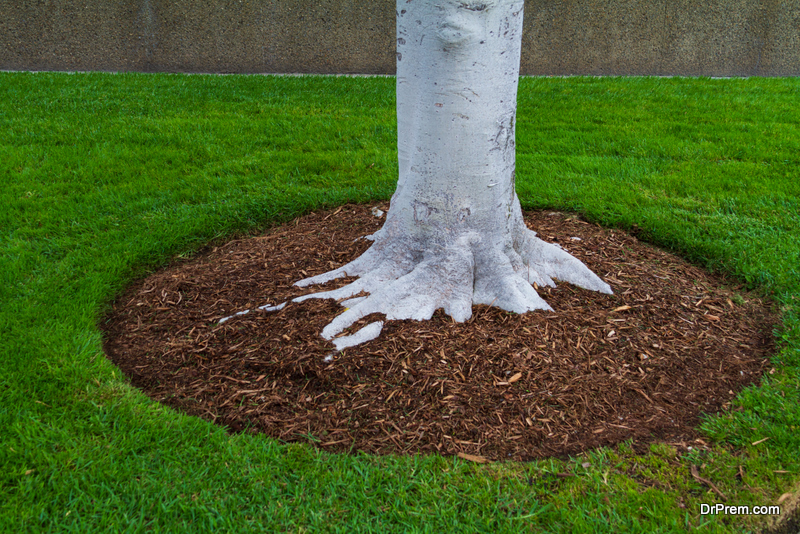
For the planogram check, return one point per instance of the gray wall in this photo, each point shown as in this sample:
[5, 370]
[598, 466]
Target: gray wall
[636, 37]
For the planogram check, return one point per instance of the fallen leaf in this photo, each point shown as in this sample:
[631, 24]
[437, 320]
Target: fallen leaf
[473, 458]
[621, 308]
[514, 378]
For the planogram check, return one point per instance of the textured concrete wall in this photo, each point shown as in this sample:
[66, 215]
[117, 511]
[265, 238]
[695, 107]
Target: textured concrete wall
[637, 37]
[662, 37]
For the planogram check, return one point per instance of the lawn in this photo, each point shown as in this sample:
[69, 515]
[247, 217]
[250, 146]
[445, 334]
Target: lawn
[107, 177]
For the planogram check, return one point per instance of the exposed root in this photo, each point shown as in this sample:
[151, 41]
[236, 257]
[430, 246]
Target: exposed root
[497, 284]
[381, 262]
[543, 262]
[266, 307]
[442, 280]
[228, 318]
[403, 282]
[371, 331]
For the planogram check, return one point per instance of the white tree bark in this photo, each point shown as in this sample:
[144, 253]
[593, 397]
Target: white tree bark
[454, 234]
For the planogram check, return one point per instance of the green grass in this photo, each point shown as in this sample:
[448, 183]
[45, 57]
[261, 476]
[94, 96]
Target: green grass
[105, 178]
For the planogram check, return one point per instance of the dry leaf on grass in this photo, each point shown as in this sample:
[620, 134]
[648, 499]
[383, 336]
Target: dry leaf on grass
[473, 458]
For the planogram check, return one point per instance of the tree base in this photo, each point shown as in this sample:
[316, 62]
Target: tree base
[406, 281]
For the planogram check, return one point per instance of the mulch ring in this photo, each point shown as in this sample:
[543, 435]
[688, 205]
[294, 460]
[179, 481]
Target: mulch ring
[643, 364]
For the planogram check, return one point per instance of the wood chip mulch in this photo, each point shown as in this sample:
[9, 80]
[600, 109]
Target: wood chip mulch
[643, 364]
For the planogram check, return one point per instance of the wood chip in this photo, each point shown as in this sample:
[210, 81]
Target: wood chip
[569, 386]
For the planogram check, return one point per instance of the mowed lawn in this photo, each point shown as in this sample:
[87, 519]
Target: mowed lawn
[107, 177]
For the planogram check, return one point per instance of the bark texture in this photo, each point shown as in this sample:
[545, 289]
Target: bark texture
[454, 234]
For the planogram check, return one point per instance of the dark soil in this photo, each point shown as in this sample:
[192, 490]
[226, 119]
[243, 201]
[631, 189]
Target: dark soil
[673, 342]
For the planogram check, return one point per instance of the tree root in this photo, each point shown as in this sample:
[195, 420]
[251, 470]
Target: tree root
[405, 281]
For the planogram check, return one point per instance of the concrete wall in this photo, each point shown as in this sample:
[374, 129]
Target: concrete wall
[636, 37]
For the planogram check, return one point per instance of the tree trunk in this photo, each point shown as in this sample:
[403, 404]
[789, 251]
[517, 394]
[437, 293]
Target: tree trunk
[454, 234]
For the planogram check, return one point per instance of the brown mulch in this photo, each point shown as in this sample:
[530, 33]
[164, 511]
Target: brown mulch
[642, 364]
